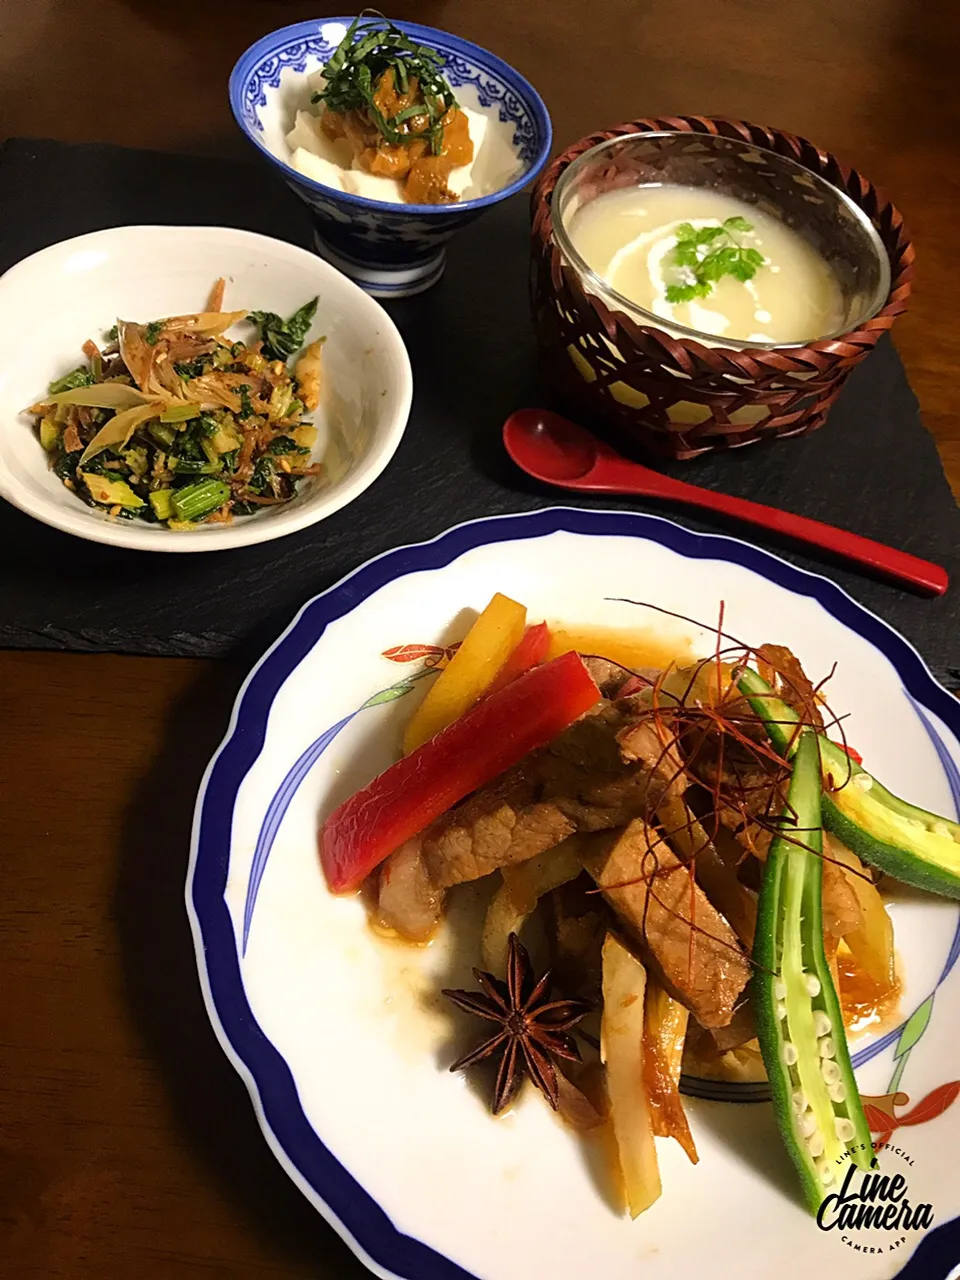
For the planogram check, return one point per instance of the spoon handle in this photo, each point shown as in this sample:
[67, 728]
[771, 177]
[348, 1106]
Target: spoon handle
[931, 579]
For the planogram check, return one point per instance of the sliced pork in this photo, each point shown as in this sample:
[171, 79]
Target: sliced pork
[579, 783]
[407, 900]
[657, 900]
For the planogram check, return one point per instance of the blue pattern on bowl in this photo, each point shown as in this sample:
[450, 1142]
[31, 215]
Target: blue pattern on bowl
[389, 249]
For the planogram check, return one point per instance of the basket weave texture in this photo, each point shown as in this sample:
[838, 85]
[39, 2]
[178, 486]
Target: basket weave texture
[673, 396]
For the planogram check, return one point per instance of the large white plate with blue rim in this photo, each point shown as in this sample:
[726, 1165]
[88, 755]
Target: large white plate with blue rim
[341, 1037]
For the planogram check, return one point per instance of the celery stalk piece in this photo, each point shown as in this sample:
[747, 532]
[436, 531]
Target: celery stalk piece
[196, 501]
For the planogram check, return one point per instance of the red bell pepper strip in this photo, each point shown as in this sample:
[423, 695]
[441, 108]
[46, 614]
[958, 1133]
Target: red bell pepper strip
[492, 736]
[530, 652]
[855, 756]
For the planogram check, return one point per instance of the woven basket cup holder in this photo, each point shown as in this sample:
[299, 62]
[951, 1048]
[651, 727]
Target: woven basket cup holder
[673, 396]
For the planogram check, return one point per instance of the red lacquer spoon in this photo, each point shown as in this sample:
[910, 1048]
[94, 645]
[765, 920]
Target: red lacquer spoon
[558, 452]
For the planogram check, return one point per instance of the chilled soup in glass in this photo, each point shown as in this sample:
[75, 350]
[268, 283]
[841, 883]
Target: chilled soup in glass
[630, 239]
[764, 251]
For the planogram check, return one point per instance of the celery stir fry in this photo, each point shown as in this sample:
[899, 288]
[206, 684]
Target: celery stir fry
[173, 423]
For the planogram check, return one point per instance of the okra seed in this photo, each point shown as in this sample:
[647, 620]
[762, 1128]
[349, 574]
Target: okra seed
[827, 1047]
[799, 1101]
[863, 781]
[830, 1071]
[845, 1128]
[941, 829]
[808, 1124]
[837, 1092]
[821, 1023]
[790, 1054]
[780, 989]
[781, 1010]
[825, 1170]
[812, 984]
[816, 1145]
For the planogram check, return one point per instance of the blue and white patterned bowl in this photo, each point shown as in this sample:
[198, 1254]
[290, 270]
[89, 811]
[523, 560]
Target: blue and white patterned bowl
[391, 250]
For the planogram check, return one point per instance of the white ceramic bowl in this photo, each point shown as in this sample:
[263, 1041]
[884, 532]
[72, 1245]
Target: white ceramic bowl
[52, 302]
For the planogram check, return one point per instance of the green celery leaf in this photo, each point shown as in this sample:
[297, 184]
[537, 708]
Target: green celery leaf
[284, 444]
[246, 408]
[79, 377]
[283, 338]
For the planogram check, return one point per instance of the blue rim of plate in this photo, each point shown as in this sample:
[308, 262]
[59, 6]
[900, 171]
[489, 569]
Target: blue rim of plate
[345, 1204]
[518, 83]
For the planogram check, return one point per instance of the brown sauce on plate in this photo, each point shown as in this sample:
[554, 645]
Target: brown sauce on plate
[867, 1005]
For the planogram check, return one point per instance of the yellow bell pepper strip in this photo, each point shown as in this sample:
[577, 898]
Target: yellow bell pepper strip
[492, 736]
[484, 650]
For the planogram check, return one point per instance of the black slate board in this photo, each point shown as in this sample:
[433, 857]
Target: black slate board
[873, 468]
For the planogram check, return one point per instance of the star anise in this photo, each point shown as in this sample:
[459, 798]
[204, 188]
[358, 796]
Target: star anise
[531, 1032]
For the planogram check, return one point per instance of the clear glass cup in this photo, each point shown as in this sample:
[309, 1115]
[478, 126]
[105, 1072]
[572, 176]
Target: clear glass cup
[823, 215]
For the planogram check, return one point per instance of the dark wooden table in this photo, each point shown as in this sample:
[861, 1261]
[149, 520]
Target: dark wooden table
[127, 1144]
